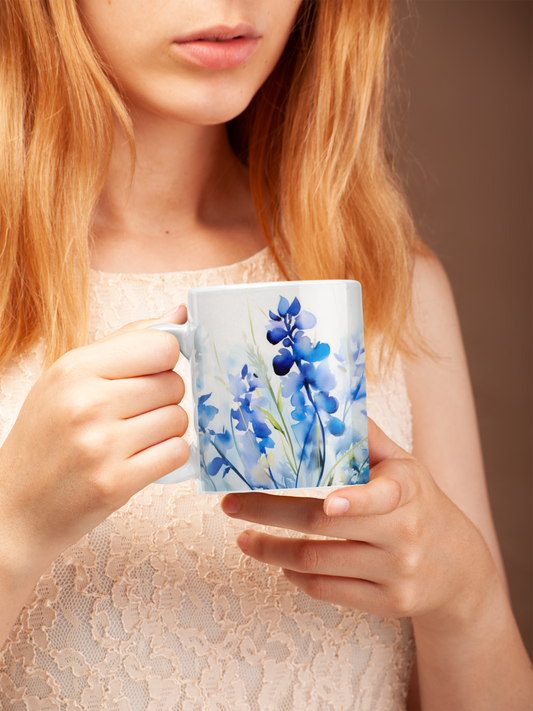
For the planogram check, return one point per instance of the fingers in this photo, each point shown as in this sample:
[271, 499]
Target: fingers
[297, 513]
[150, 428]
[176, 315]
[348, 592]
[127, 355]
[393, 481]
[337, 558]
[373, 568]
[131, 351]
[345, 513]
[300, 514]
[134, 396]
[155, 462]
[394, 484]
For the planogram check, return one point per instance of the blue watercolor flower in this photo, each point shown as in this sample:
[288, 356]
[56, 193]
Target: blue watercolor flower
[288, 326]
[248, 415]
[258, 444]
[308, 385]
[206, 413]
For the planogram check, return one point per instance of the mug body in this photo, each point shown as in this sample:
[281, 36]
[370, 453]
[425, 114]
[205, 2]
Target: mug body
[279, 385]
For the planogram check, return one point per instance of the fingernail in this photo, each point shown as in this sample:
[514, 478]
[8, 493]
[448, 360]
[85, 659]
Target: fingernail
[231, 504]
[337, 506]
[242, 541]
[175, 310]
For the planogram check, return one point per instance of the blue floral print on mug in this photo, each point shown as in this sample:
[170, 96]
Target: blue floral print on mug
[289, 409]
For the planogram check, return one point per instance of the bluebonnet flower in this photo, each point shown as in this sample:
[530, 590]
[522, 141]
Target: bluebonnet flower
[353, 354]
[249, 419]
[206, 413]
[351, 449]
[248, 416]
[288, 325]
[309, 385]
[252, 443]
[320, 444]
[221, 442]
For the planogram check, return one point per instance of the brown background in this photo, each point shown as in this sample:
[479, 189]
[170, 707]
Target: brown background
[466, 123]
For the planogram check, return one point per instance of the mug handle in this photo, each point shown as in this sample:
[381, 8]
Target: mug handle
[185, 335]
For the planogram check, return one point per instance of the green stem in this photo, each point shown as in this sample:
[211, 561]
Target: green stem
[256, 363]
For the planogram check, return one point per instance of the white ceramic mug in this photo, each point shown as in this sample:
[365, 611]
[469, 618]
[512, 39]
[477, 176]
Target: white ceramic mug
[278, 382]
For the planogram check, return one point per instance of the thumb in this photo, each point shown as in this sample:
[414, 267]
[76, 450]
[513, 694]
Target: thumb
[381, 447]
[178, 315]
[390, 483]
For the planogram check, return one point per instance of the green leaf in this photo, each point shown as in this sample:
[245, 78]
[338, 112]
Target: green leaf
[271, 419]
[279, 400]
[250, 319]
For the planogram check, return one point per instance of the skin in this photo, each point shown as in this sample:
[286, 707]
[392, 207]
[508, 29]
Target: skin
[189, 203]
[400, 548]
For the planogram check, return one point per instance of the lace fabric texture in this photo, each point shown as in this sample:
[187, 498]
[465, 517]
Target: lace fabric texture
[156, 609]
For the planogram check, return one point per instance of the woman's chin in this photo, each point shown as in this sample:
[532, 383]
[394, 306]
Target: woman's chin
[219, 114]
[220, 107]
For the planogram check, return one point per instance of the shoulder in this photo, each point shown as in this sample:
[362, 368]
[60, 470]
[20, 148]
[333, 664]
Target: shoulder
[438, 369]
[433, 306]
[437, 375]
[440, 353]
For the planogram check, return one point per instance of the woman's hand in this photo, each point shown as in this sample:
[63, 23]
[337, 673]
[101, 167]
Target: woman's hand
[399, 546]
[98, 426]
[405, 548]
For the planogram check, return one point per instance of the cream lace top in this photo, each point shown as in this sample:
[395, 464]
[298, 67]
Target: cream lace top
[157, 609]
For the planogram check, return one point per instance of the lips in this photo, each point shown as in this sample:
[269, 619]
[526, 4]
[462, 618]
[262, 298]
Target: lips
[218, 47]
[221, 32]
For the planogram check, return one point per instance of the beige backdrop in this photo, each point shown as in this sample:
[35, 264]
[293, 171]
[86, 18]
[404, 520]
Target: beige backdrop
[468, 70]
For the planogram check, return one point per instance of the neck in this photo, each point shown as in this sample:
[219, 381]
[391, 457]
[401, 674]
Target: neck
[188, 193]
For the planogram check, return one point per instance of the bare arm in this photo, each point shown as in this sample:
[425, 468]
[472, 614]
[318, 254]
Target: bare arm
[99, 425]
[483, 655]
[413, 544]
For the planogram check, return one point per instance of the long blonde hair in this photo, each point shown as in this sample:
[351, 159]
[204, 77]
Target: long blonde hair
[326, 197]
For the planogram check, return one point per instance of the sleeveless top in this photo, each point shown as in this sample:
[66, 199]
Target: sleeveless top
[157, 609]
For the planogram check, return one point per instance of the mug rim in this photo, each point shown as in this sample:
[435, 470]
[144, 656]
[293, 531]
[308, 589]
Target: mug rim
[276, 284]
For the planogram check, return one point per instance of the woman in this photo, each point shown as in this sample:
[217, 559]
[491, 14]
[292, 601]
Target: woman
[252, 124]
